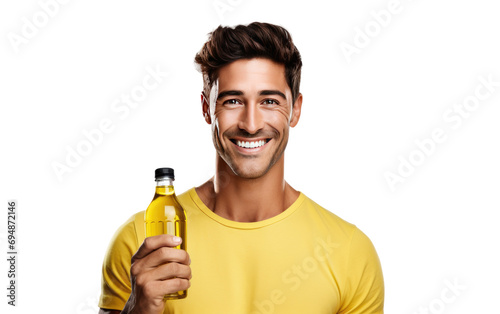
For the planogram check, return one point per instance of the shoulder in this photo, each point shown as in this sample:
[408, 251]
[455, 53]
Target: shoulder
[359, 273]
[115, 280]
[128, 237]
[329, 225]
[325, 220]
[186, 197]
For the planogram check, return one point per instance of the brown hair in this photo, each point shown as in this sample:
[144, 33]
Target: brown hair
[256, 40]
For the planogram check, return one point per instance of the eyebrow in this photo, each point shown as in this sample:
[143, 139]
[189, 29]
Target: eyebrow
[229, 93]
[240, 93]
[272, 92]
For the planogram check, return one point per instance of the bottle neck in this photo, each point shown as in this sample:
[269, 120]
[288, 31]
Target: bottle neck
[165, 186]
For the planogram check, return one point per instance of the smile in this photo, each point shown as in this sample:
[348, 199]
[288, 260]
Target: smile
[250, 144]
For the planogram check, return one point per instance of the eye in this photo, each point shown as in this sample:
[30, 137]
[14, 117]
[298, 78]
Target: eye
[270, 101]
[231, 102]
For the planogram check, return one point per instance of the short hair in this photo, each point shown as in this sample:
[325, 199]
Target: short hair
[255, 40]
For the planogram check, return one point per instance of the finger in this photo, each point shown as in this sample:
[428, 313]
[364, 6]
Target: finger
[164, 255]
[171, 270]
[152, 243]
[164, 272]
[164, 287]
[157, 258]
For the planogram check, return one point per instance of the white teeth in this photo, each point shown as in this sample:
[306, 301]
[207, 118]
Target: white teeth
[250, 144]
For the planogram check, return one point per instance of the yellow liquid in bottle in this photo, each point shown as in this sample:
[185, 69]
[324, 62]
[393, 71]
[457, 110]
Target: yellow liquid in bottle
[165, 216]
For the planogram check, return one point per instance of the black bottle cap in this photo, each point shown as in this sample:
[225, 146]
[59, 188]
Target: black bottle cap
[164, 172]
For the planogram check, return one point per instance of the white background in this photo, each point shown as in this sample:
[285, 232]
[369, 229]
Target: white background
[440, 225]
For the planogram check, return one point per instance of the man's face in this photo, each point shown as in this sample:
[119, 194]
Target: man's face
[251, 112]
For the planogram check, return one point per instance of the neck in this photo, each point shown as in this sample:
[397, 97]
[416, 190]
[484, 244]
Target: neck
[247, 200]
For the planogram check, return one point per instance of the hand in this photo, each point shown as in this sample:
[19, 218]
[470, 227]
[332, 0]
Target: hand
[157, 269]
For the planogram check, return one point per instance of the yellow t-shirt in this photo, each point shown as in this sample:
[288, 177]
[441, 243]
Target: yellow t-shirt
[304, 260]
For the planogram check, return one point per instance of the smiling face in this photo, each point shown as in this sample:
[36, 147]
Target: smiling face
[250, 109]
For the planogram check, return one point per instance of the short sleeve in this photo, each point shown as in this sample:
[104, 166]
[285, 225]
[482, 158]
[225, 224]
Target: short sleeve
[364, 285]
[115, 281]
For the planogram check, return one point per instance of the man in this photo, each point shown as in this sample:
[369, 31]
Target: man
[256, 245]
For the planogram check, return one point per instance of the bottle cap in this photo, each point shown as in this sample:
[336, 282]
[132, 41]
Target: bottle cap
[164, 172]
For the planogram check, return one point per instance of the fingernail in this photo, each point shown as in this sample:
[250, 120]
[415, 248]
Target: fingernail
[176, 239]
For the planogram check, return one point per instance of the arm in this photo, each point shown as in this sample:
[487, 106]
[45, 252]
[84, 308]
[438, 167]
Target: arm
[130, 272]
[364, 284]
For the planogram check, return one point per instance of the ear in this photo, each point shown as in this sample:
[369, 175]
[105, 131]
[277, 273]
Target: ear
[205, 107]
[297, 107]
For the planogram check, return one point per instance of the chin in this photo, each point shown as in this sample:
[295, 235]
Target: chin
[249, 172]
[250, 175]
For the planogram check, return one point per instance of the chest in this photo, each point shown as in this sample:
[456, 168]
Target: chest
[255, 273]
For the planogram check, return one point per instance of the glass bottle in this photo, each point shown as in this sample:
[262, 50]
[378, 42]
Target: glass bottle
[166, 216]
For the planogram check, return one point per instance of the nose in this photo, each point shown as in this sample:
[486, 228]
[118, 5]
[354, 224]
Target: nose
[251, 119]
